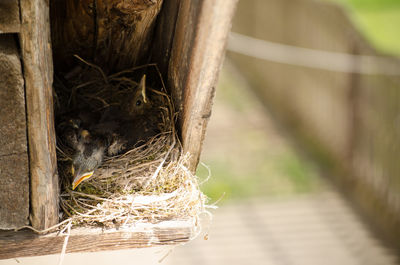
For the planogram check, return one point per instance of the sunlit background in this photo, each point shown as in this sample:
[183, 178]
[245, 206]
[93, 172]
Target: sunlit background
[294, 152]
[378, 21]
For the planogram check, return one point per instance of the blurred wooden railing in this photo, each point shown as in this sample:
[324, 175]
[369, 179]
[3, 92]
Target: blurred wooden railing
[349, 121]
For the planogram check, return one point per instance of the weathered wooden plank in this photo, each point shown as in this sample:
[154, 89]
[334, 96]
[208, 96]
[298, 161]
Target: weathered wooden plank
[114, 34]
[9, 16]
[197, 53]
[38, 73]
[14, 172]
[27, 243]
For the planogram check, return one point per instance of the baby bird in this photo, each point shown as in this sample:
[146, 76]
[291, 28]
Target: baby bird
[139, 103]
[68, 131]
[71, 124]
[117, 130]
[90, 150]
[132, 124]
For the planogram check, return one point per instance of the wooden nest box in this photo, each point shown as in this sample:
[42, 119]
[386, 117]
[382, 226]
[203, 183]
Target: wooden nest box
[186, 39]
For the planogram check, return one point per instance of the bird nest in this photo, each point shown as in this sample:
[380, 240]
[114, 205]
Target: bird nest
[149, 183]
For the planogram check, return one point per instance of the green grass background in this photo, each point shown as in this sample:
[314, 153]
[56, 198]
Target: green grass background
[378, 20]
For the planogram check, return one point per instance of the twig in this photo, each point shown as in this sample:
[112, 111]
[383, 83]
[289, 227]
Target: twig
[64, 247]
[44, 230]
[94, 66]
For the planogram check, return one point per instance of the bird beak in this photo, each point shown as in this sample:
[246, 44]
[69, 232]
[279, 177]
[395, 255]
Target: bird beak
[142, 86]
[81, 177]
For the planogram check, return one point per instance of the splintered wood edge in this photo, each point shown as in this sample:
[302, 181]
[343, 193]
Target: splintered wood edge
[27, 243]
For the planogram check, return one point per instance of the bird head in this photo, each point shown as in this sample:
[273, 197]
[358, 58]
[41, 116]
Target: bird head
[89, 156]
[139, 102]
[68, 131]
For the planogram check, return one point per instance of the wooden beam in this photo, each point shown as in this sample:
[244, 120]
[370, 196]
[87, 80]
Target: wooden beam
[27, 243]
[38, 74]
[197, 53]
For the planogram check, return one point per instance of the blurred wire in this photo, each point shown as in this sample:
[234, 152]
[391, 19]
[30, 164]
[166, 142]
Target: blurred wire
[326, 60]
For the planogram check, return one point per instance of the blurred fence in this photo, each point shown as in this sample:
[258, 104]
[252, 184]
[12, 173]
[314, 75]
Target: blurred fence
[348, 118]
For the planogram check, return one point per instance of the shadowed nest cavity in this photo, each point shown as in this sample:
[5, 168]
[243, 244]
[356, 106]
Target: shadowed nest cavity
[150, 182]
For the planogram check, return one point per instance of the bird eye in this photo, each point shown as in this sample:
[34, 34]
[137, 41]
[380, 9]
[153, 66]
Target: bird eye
[138, 103]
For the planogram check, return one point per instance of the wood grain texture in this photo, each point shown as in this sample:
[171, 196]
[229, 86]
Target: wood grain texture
[197, 53]
[9, 16]
[38, 73]
[14, 167]
[113, 34]
[27, 243]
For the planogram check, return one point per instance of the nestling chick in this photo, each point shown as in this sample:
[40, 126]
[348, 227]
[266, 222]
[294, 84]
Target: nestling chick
[72, 123]
[68, 131]
[113, 132]
[131, 125]
[131, 133]
[139, 103]
[132, 106]
[89, 155]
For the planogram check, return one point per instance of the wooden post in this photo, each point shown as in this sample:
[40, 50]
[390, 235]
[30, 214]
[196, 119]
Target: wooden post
[196, 59]
[38, 73]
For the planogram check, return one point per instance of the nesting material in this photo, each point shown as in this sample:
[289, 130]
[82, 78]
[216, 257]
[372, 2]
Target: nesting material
[149, 183]
[172, 193]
